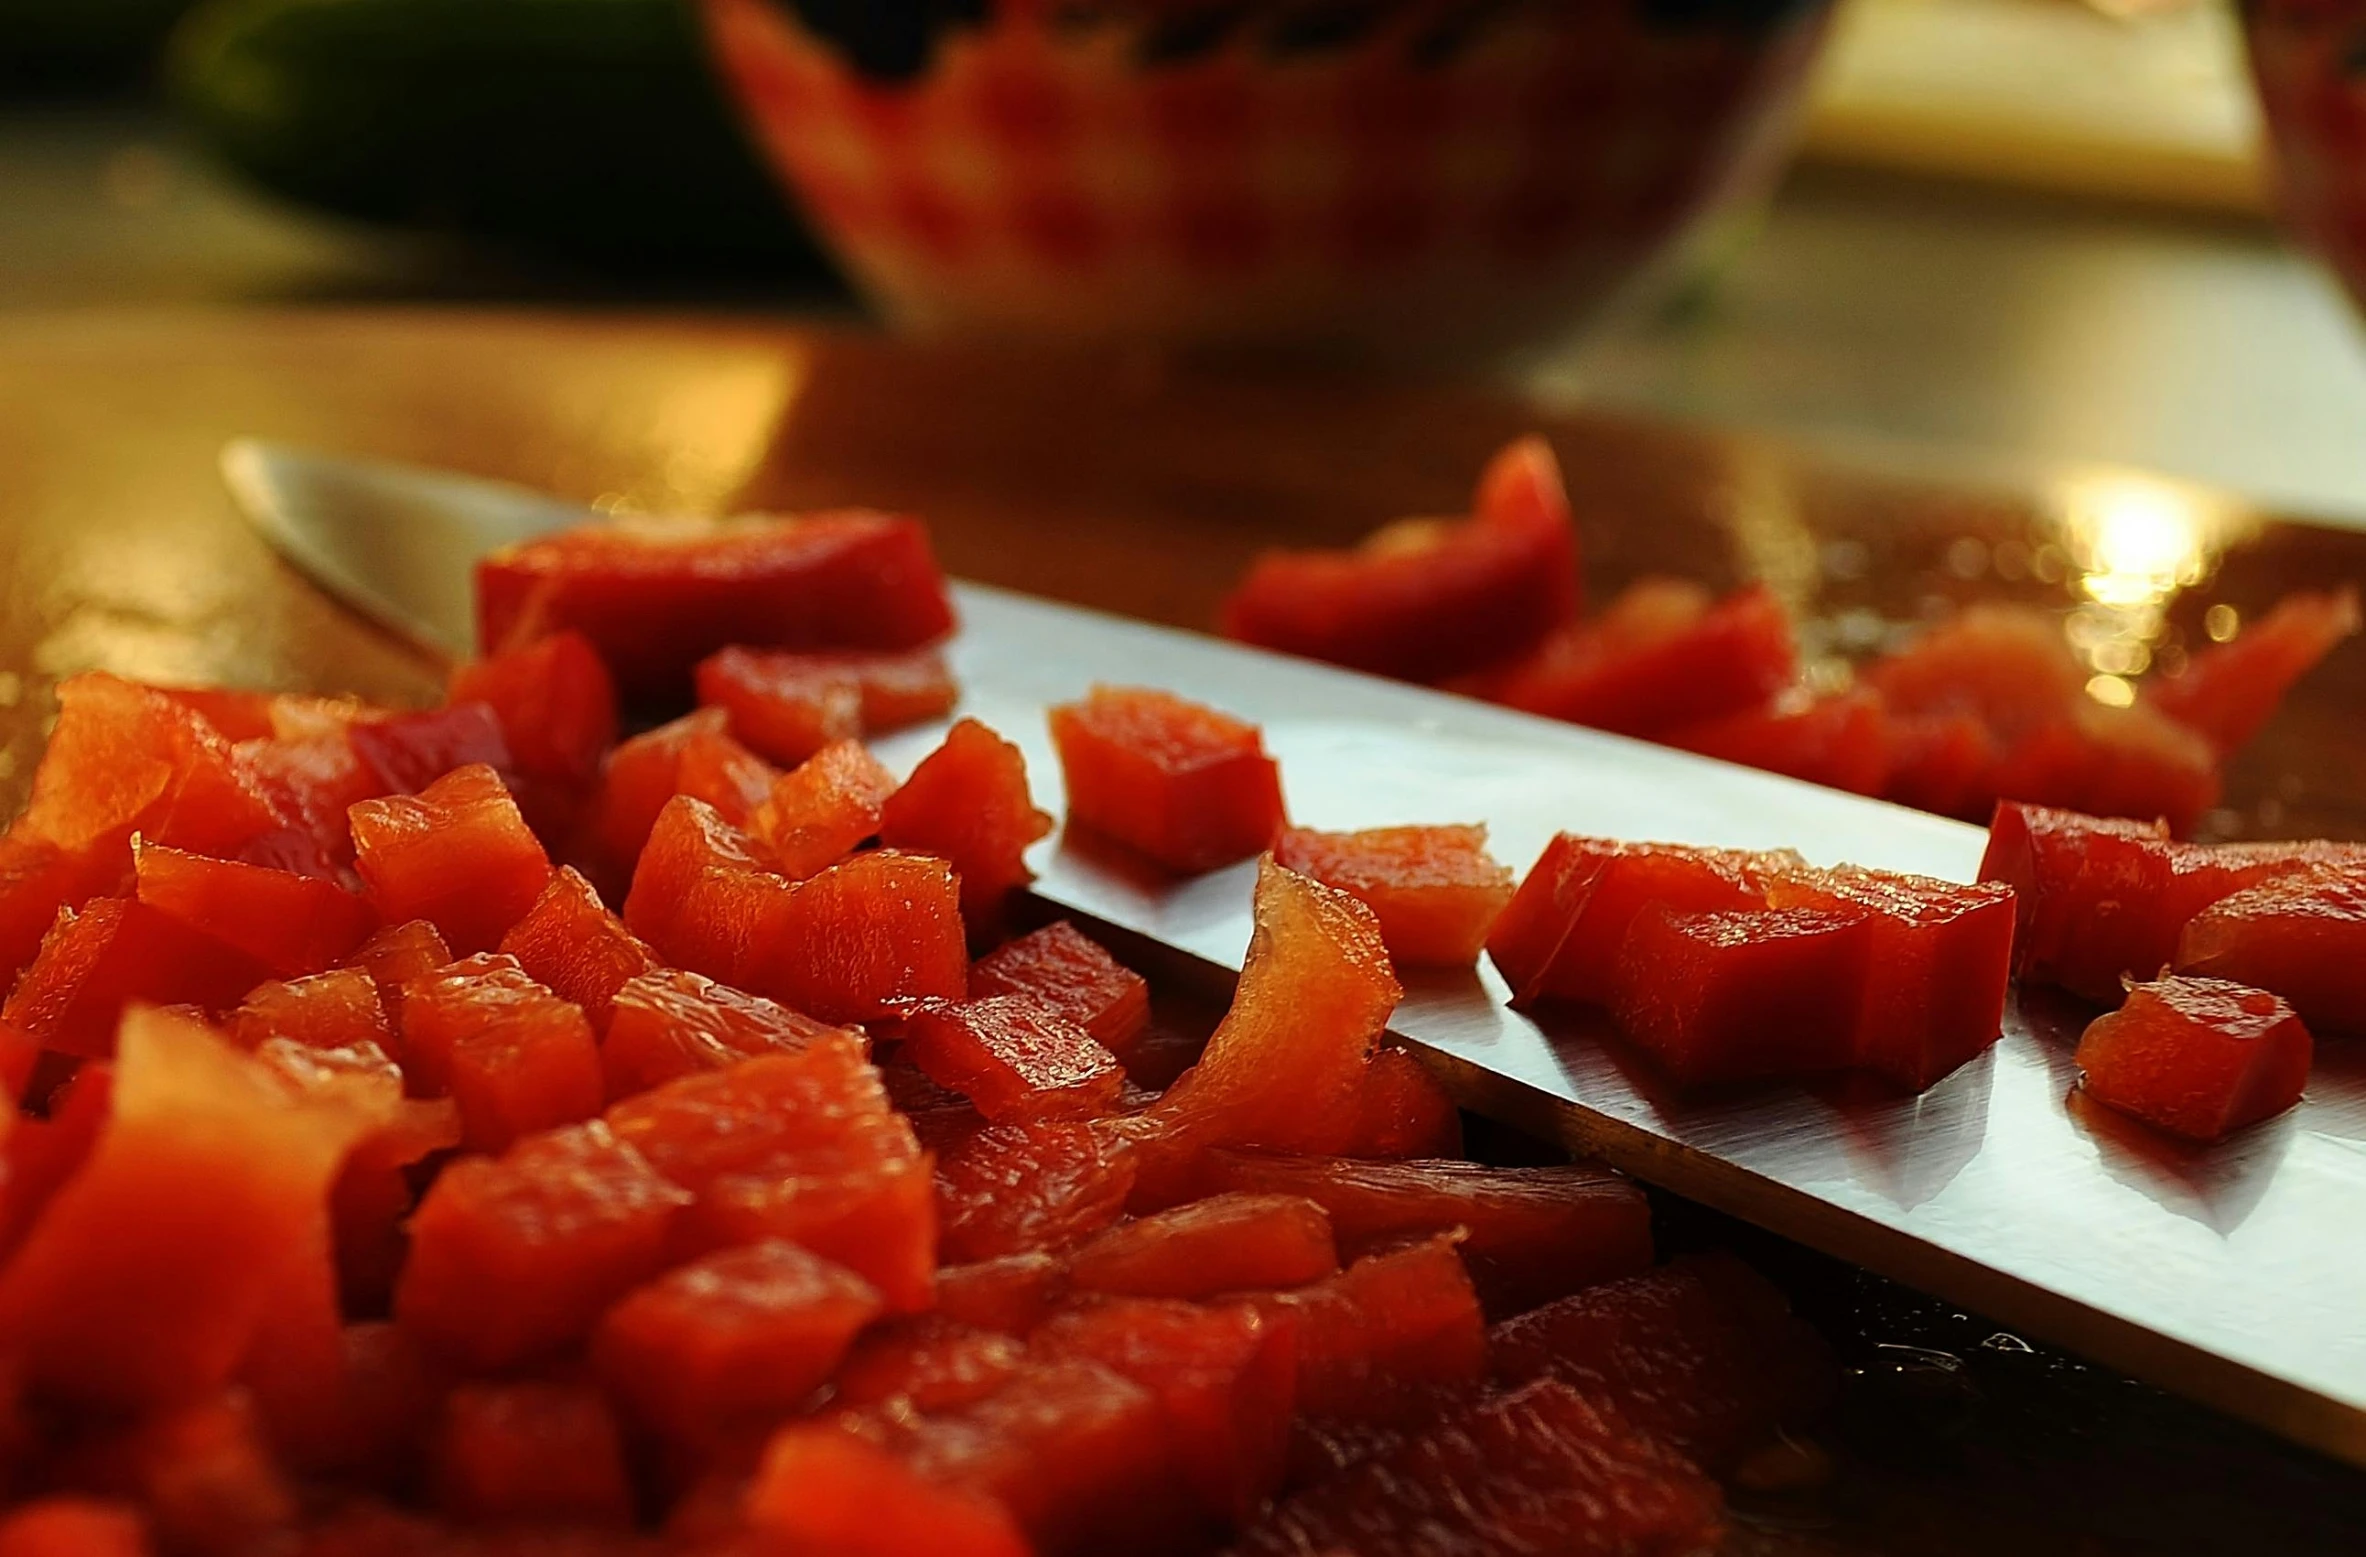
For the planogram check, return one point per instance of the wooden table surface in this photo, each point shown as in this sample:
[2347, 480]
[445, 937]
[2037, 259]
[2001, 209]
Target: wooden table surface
[1141, 487]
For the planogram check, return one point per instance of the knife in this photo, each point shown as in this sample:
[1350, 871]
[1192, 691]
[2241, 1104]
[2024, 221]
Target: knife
[2233, 1274]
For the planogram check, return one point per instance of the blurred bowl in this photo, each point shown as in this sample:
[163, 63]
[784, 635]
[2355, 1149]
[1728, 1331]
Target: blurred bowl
[2309, 58]
[1405, 178]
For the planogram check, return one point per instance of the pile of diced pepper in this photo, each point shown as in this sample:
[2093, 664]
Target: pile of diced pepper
[466, 1130]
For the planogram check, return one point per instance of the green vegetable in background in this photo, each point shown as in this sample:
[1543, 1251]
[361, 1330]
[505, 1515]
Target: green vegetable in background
[593, 127]
[73, 43]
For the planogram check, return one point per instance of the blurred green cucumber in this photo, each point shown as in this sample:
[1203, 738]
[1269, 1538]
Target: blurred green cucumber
[589, 127]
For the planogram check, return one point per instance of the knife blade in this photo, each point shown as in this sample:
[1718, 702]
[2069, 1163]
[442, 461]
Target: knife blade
[2228, 1274]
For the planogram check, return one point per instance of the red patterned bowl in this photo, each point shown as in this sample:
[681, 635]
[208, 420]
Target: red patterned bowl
[2309, 58]
[1417, 177]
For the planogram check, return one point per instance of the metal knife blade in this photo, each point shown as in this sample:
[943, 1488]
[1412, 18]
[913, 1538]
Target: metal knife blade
[2230, 1274]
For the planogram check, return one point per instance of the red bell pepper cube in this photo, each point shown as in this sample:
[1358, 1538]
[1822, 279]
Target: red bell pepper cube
[637, 778]
[457, 855]
[2197, 1057]
[1187, 786]
[37, 880]
[1426, 599]
[657, 596]
[339, 1009]
[1840, 740]
[671, 1022]
[514, 1257]
[2226, 692]
[1011, 1294]
[1935, 975]
[1436, 890]
[116, 952]
[1379, 1341]
[1648, 664]
[1738, 996]
[205, 1174]
[569, 943]
[1063, 969]
[125, 758]
[1020, 1188]
[781, 706]
[290, 924]
[1236, 1242]
[967, 803]
[404, 753]
[1531, 1234]
[555, 702]
[700, 898]
[517, 1058]
[815, 816]
[861, 939]
[1013, 1058]
[2300, 935]
[741, 1335]
[823, 1487]
[1402, 1112]
[396, 955]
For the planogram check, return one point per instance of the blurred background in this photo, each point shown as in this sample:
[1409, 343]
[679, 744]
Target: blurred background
[1937, 230]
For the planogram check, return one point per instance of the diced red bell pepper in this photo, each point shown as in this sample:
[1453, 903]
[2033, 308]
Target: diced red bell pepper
[1188, 786]
[1561, 936]
[125, 758]
[2228, 691]
[1943, 763]
[1014, 1058]
[338, 1009]
[780, 700]
[404, 753]
[290, 924]
[1062, 968]
[1647, 665]
[928, 1362]
[2197, 1057]
[2300, 935]
[457, 854]
[743, 1334]
[2009, 667]
[860, 940]
[1425, 599]
[967, 803]
[1740, 996]
[1287, 1065]
[1234, 1242]
[1018, 1188]
[205, 1175]
[1012, 1294]
[700, 898]
[1402, 1112]
[637, 778]
[514, 1257]
[1436, 890]
[37, 878]
[1539, 1469]
[396, 955]
[1840, 739]
[311, 781]
[1935, 974]
[572, 945]
[782, 705]
[1381, 1338]
[657, 596]
[555, 702]
[517, 1058]
[1224, 1375]
[823, 1488]
[70, 1525]
[2113, 762]
[1703, 1355]
[671, 1022]
[815, 816]
[719, 770]
[41, 1154]
[800, 1146]
[202, 1474]
[530, 1449]
[1532, 1234]
[116, 951]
